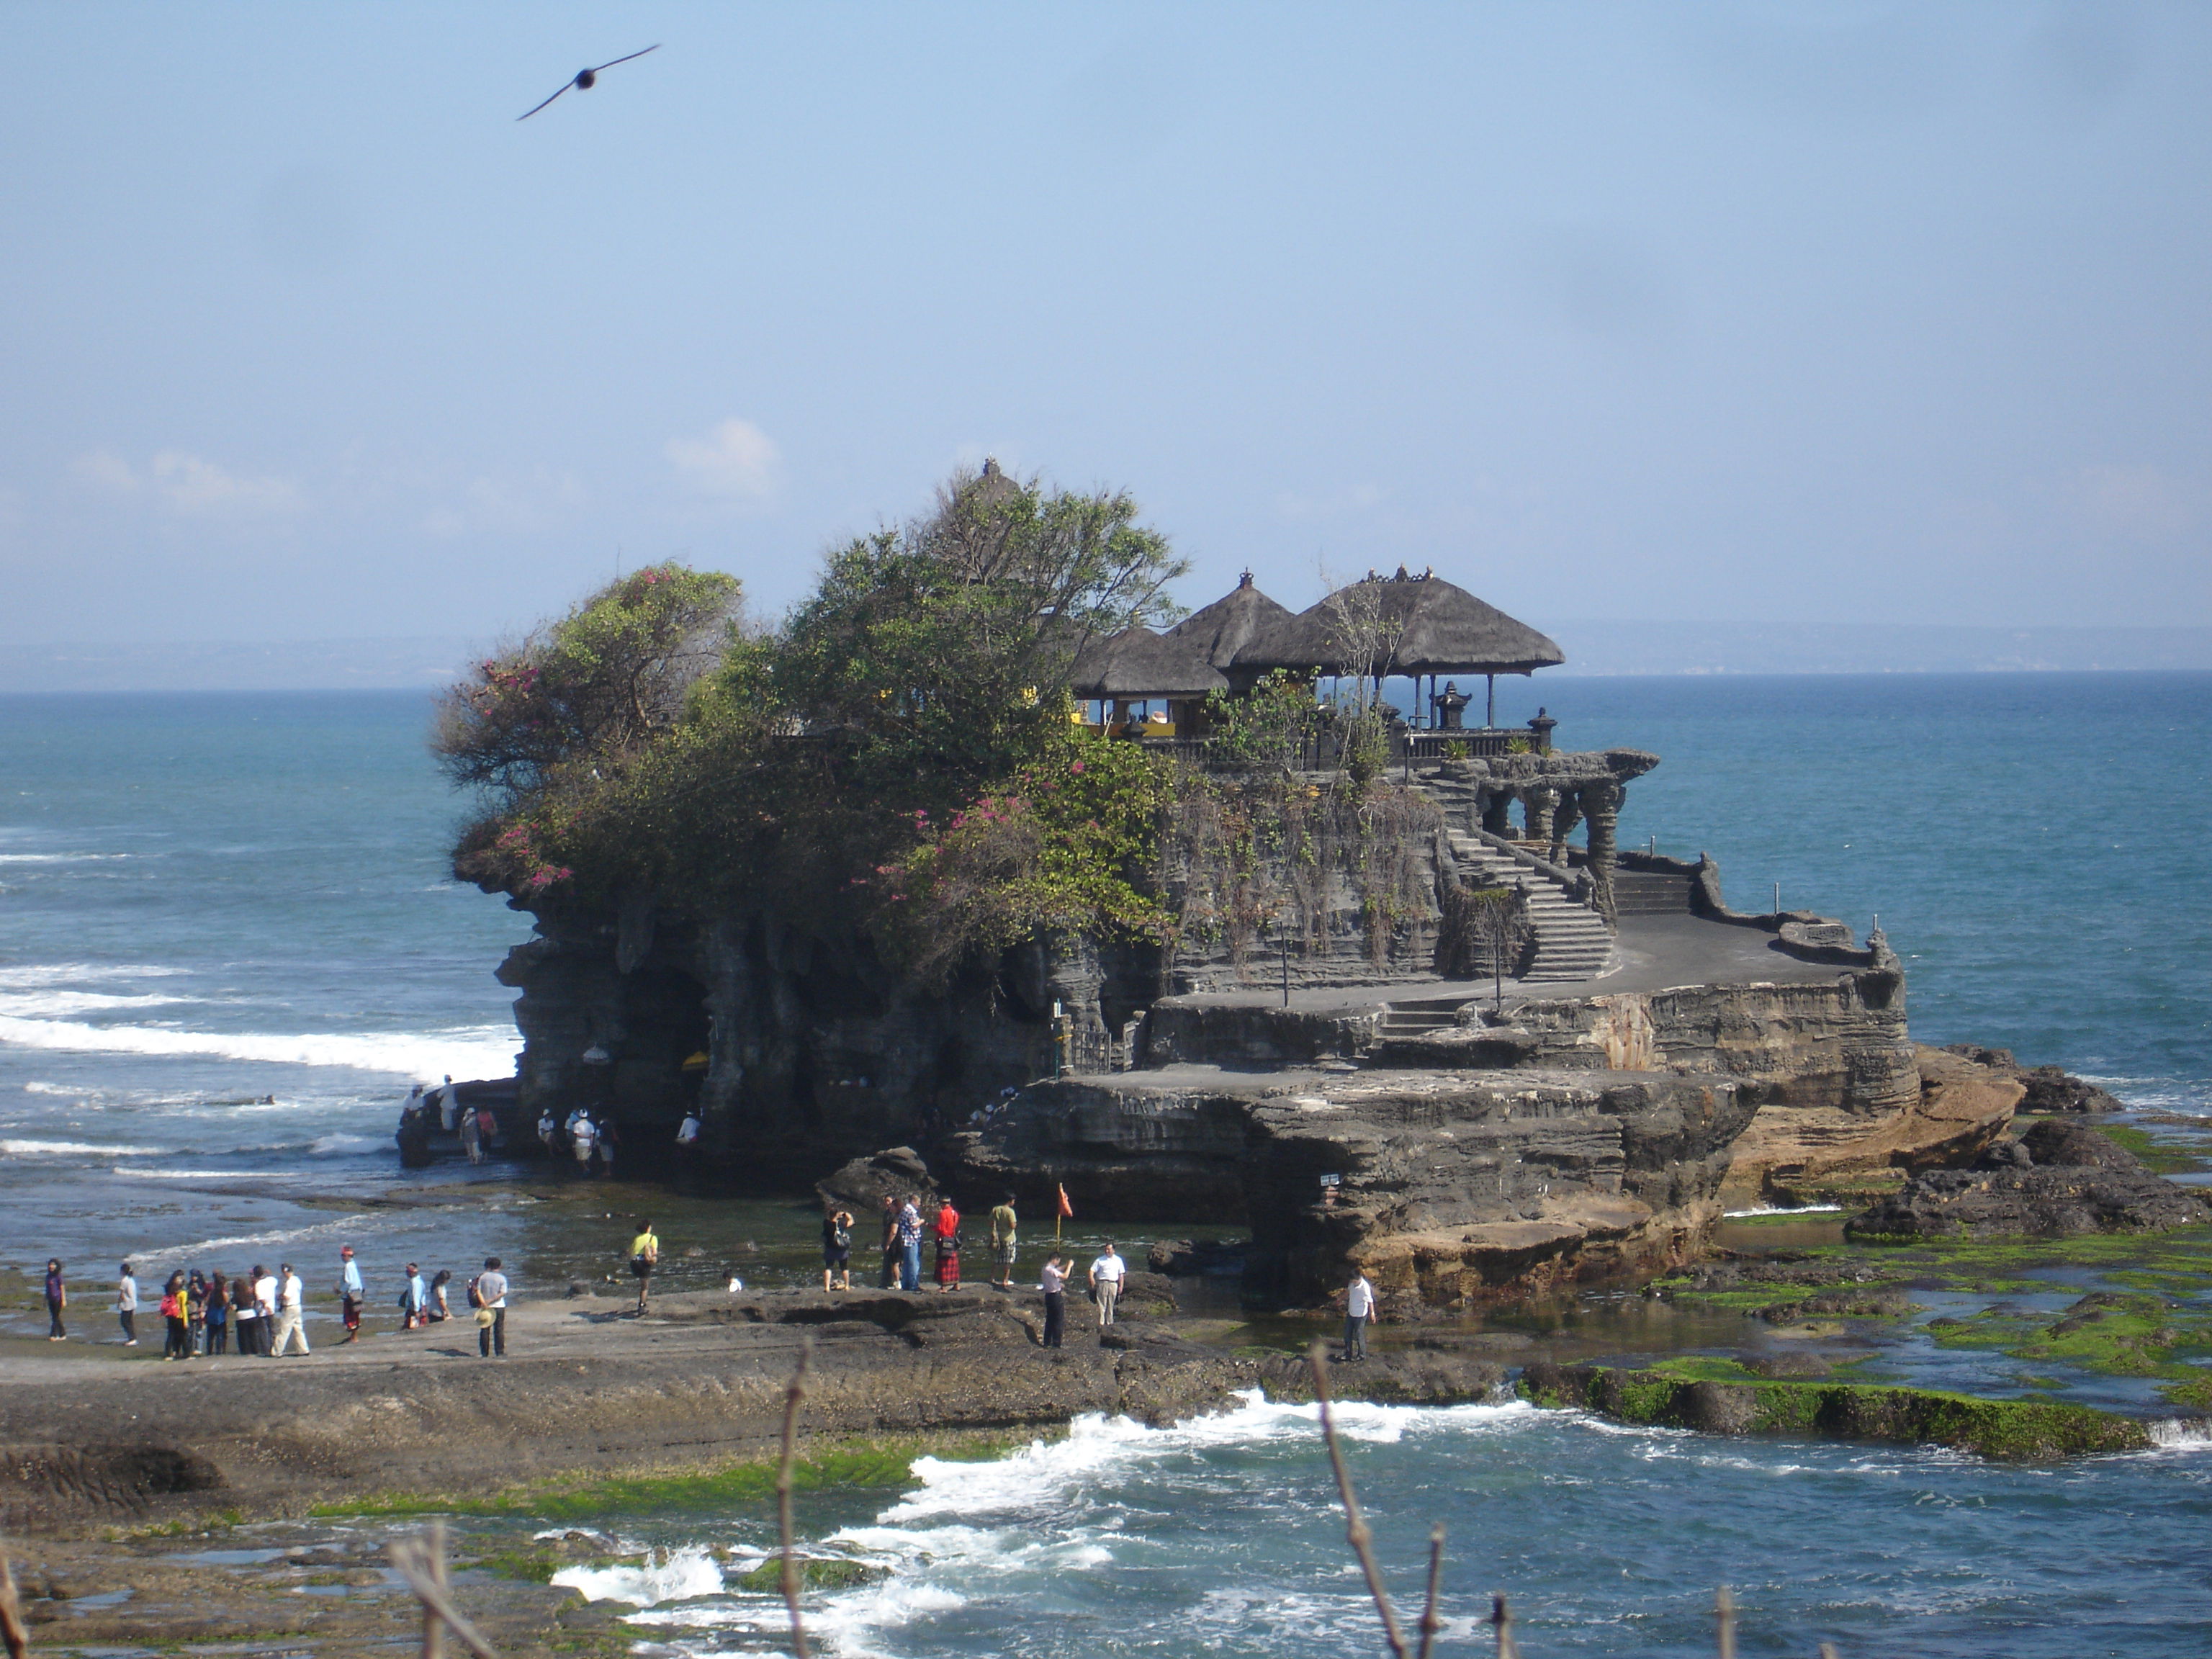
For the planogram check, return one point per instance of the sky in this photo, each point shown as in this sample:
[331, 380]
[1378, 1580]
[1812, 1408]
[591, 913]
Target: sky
[1705, 312]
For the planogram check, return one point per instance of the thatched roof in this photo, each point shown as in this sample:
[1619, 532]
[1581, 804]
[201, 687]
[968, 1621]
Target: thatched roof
[1230, 623]
[1139, 663]
[1430, 625]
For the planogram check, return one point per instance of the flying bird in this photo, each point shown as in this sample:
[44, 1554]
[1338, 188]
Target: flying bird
[587, 79]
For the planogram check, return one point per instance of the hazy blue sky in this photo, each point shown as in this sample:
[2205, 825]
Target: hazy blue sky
[1853, 313]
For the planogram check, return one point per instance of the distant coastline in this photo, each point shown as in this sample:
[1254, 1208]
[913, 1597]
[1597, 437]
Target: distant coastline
[1593, 648]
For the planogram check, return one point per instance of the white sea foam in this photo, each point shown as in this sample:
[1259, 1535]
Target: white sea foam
[74, 1149]
[81, 973]
[465, 1051]
[945, 1531]
[2181, 1433]
[344, 1223]
[63, 858]
[1783, 1209]
[679, 1575]
[338, 1145]
[58, 1004]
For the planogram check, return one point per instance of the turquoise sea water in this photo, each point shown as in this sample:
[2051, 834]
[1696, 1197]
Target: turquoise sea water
[209, 900]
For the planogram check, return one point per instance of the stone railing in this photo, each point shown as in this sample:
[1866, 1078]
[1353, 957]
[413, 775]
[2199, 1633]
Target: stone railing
[1469, 743]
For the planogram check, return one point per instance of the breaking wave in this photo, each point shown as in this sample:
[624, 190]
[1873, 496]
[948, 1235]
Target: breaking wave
[465, 1051]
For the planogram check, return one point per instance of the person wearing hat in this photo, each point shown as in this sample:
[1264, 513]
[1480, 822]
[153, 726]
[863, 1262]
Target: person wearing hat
[351, 1293]
[289, 1293]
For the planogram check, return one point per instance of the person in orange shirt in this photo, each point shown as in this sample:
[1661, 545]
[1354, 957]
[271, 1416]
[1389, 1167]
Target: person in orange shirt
[948, 1248]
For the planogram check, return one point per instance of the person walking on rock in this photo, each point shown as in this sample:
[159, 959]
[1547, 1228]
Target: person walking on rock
[351, 1294]
[910, 1239]
[1053, 1281]
[57, 1299]
[1107, 1273]
[291, 1294]
[948, 1248]
[837, 1250]
[126, 1305]
[471, 1136]
[644, 1257]
[489, 1294]
[1003, 1224]
[1358, 1309]
[890, 1275]
[414, 1301]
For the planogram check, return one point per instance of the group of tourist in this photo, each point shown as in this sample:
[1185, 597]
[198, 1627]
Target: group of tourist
[590, 1140]
[476, 1127]
[261, 1313]
[905, 1229]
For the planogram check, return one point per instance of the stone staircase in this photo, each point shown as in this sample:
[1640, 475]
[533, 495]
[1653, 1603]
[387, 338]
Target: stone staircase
[1650, 893]
[1572, 940]
[1418, 1016]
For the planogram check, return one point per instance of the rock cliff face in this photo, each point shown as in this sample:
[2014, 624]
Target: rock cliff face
[1451, 1188]
[1839, 1046]
[816, 1050]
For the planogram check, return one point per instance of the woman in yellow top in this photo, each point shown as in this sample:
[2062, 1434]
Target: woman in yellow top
[644, 1256]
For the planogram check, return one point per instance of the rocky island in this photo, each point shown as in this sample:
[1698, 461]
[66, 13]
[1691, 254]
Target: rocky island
[1185, 921]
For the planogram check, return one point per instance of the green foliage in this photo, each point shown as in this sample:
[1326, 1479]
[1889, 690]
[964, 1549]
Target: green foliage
[1270, 728]
[919, 680]
[1069, 842]
[589, 688]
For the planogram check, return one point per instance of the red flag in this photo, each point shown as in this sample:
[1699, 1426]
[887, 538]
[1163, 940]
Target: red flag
[1066, 1208]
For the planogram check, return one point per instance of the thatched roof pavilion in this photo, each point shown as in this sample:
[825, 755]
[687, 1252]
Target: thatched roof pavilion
[1224, 630]
[1423, 625]
[1138, 663]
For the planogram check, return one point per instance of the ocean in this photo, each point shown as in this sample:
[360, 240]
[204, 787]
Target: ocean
[228, 941]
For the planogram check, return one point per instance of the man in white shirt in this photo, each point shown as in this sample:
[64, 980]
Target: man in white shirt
[126, 1306]
[1107, 1273]
[289, 1292]
[1358, 1309]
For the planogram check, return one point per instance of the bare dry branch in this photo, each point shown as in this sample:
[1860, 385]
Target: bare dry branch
[1724, 1622]
[1356, 1530]
[1501, 1622]
[18, 1639]
[789, 1574]
[433, 1628]
[1430, 1622]
[415, 1561]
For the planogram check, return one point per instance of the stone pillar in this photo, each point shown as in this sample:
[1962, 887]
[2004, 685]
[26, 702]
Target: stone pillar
[1564, 817]
[1538, 803]
[1601, 804]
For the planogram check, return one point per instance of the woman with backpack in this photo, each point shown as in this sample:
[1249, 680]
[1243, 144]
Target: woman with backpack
[837, 1250]
[176, 1313]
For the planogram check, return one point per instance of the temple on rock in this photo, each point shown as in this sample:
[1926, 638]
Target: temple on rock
[1414, 1008]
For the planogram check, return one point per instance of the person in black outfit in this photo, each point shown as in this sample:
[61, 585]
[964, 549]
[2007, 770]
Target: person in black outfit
[57, 1299]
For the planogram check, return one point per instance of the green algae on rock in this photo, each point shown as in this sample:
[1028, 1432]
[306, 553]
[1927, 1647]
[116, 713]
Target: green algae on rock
[2002, 1429]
